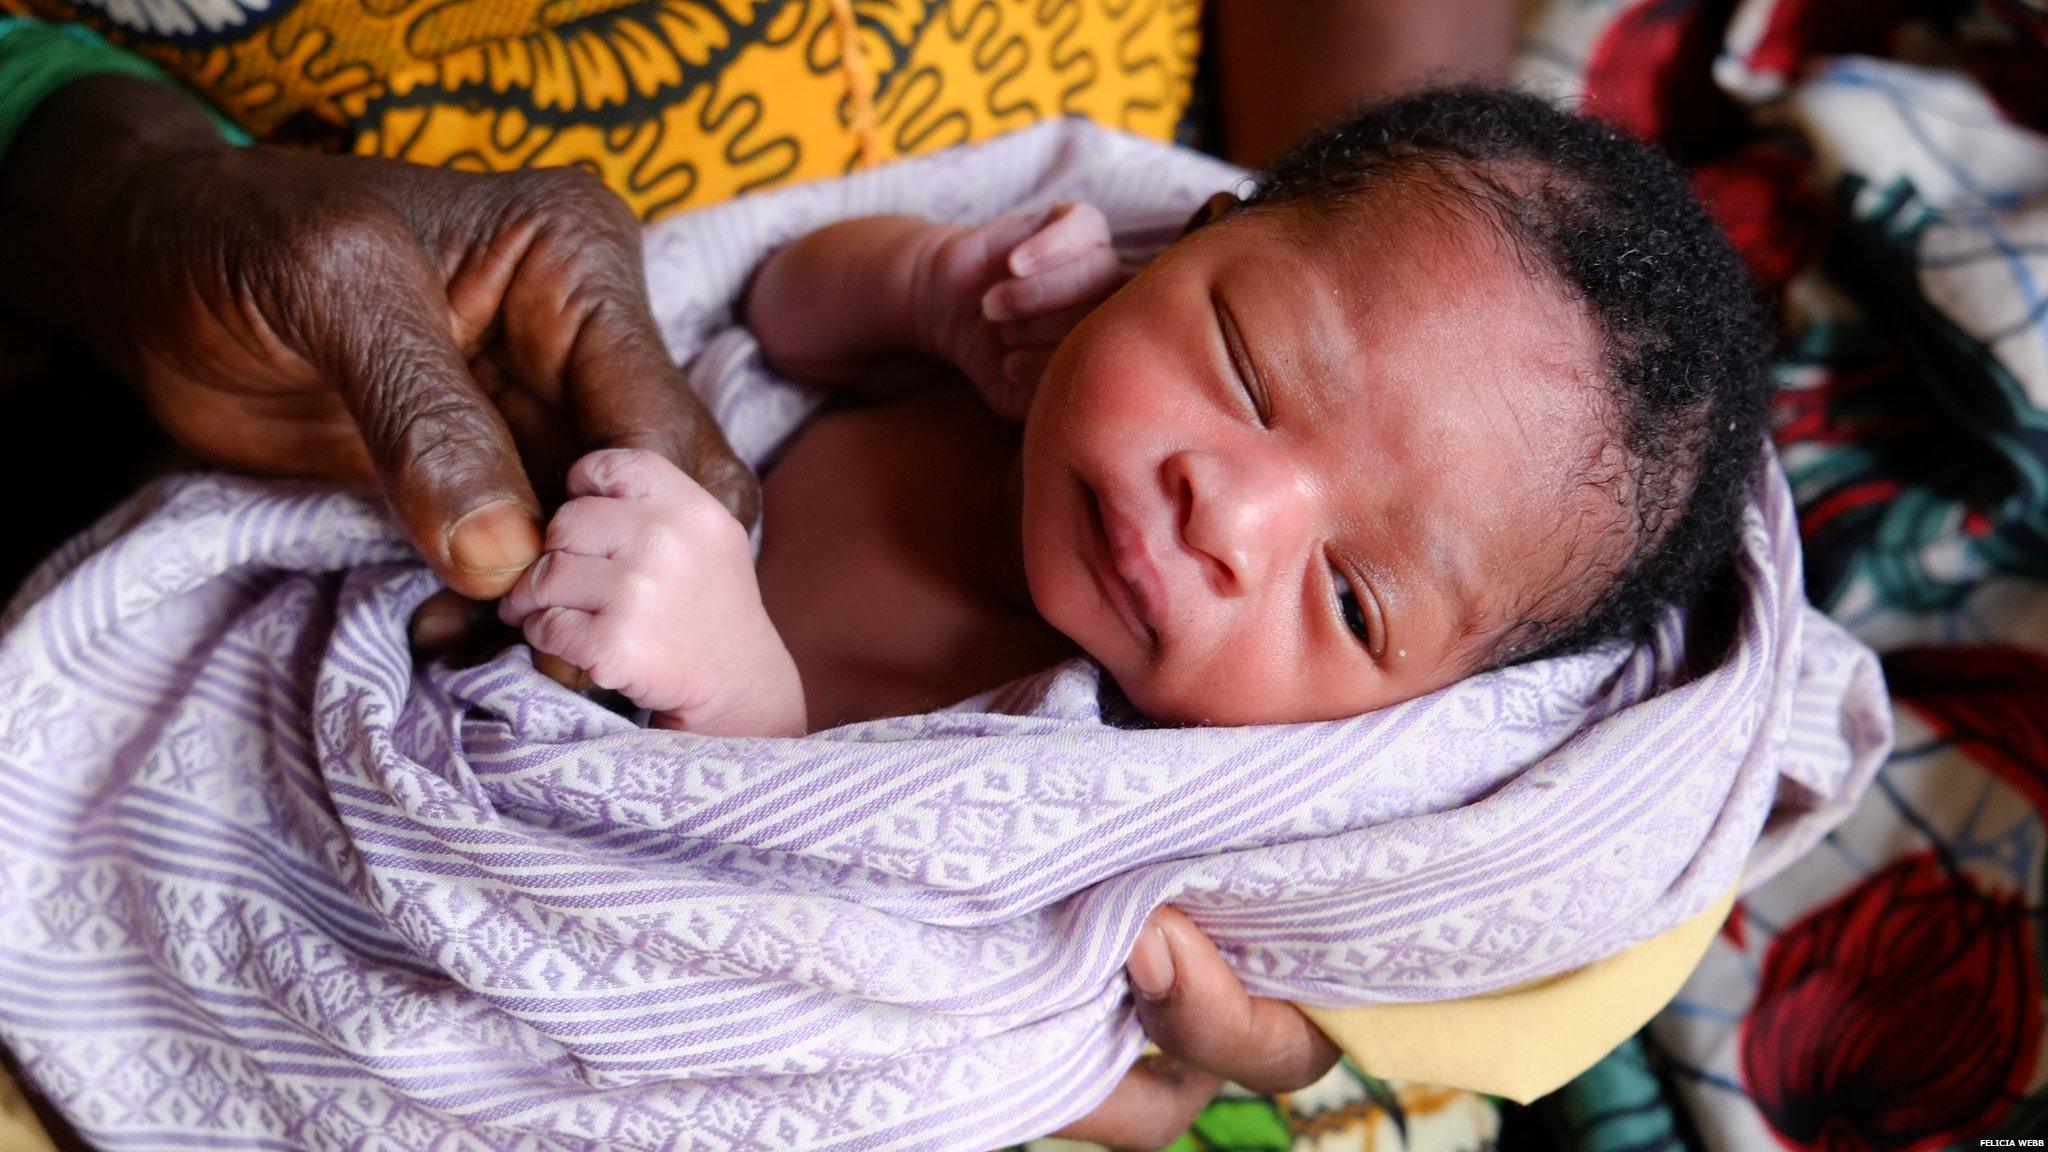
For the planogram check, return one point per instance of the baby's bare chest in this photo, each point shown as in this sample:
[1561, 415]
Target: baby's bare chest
[874, 563]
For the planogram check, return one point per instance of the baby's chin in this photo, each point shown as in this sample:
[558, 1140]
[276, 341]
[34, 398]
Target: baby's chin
[1176, 702]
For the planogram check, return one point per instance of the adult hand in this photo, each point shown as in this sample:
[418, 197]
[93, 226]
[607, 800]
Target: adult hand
[1208, 1029]
[455, 339]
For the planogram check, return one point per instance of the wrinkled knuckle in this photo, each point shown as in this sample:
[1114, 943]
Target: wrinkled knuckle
[345, 231]
[558, 185]
[424, 434]
[572, 193]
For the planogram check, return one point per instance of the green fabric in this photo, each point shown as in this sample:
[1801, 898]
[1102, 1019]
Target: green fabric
[36, 59]
[1618, 1105]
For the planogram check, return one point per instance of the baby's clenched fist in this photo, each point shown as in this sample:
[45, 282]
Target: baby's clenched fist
[647, 583]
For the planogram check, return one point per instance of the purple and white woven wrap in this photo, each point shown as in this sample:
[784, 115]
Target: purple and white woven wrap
[267, 885]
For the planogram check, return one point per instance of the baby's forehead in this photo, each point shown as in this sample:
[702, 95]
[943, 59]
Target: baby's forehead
[1489, 382]
[1406, 286]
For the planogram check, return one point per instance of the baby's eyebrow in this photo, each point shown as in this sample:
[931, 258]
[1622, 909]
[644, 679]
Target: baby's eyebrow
[1447, 554]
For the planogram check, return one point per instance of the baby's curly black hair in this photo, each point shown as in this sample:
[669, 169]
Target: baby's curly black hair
[1613, 223]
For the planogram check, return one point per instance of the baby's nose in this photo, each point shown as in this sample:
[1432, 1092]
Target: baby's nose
[1237, 515]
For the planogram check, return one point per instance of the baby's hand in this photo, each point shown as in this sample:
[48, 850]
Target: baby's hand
[1009, 291]
[647, 583]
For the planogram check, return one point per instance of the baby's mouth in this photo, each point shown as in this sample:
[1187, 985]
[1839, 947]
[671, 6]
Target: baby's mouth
[1116, 554]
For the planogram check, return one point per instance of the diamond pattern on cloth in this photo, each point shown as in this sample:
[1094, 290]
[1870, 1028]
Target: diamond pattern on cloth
[269, 885]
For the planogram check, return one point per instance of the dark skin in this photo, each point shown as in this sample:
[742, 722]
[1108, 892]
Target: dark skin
[1286, 66]
[495, 326]
[456, 340]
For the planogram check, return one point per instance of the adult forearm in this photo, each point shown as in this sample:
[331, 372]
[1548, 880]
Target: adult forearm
[64, 183]
[1286, 66]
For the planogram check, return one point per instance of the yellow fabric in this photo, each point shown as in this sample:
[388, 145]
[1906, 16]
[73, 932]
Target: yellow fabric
[676, 103]
[1525, 1041]
[20, 1131]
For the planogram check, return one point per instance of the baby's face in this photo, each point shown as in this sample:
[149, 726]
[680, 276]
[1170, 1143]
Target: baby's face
[1284, 476]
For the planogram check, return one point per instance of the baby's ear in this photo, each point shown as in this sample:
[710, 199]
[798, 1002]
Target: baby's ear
[1213, 209]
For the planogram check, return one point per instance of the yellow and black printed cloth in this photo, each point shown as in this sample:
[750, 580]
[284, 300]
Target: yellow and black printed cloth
[675, 103]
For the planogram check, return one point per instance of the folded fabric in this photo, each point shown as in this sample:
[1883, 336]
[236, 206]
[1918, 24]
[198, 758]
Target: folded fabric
[269, 884]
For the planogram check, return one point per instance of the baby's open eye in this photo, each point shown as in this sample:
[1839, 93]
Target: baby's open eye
[1361, 612]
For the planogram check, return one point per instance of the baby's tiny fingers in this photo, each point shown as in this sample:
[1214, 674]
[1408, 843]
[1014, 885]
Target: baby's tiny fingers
[569, 633]
[561, 580]
[628, 474]
[1084, 280]
[1069, 231]
[991, 243]
[594, 526]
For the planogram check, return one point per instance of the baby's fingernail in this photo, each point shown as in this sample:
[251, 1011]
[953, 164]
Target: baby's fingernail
[1151, 964]
[1023, 262]
[496, 538]
[994, 305]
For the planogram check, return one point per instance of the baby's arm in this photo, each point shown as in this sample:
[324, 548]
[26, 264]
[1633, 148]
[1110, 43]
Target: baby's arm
[647, 582]
[878, 298]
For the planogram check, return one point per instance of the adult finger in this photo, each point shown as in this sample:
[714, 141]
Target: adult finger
[1195, 1008]
[441, 451]
[627, 395]
[568, 675]
[577, 324]
[1150, 1107]
[447, 621]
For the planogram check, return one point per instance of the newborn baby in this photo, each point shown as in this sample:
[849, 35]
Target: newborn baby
[1468, 380]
